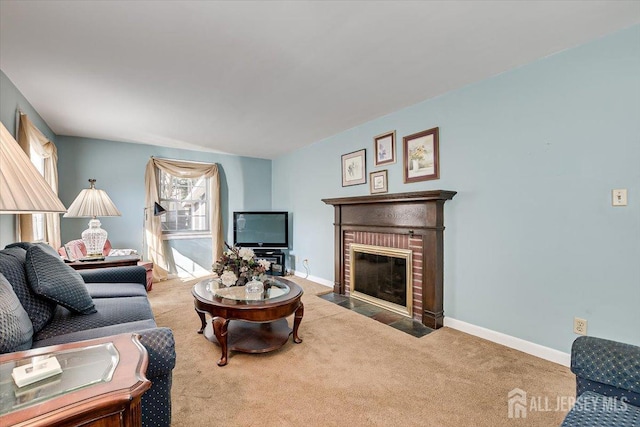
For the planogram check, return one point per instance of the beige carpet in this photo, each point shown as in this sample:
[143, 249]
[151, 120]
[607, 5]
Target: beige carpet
[351, 371]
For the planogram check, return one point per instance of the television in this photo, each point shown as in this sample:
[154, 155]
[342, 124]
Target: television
[268, 230]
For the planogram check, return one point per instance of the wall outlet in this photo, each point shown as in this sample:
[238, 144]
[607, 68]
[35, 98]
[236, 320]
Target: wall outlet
[579, 326]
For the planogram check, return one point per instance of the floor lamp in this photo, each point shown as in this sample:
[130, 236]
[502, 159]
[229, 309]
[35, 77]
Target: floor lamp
[22, 188]
[157, 211]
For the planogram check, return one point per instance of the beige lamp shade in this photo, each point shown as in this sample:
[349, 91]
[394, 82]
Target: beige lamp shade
[92, 203]
[22, 188]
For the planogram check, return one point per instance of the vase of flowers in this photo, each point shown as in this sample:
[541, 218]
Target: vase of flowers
[237, 266]
[416, 156]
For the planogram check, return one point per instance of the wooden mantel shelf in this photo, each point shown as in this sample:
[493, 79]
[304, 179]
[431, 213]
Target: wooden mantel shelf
[416, 196]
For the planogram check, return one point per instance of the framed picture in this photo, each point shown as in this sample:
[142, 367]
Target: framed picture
[378, 182]
[354, 168]
[420, 152]
[385, 148]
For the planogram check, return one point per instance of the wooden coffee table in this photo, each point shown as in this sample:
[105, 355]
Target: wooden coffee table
[248, 323]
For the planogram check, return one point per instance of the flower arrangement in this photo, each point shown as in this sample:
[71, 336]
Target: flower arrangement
[418, 153]
[237, 266]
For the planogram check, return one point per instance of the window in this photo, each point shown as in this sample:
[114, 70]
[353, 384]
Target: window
[187, 203]
[37, 220]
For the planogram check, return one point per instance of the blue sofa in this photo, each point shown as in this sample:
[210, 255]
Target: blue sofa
[45, 302]
[607, 384]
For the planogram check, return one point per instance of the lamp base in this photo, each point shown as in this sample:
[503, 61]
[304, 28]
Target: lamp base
[94, 239]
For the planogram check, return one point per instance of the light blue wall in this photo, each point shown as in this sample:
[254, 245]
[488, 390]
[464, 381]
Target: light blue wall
[531, 237]
[10, 101]
[119, 169]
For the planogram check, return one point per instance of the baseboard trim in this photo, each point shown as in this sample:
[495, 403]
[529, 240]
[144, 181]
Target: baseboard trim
[318, 280]
[528, 347]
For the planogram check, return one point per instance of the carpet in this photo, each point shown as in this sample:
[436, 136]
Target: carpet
[353, 371]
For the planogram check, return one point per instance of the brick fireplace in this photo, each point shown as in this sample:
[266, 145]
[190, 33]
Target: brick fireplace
[407, 221]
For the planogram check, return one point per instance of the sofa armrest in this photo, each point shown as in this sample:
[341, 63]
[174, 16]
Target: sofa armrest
[606, 362]
[128, 274]
[161, 347]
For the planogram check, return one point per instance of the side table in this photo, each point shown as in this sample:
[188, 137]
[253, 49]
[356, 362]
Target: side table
[110, 261]
[101, 384]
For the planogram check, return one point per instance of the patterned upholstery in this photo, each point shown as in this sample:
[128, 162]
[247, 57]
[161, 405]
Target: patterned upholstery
[115, 290]
[608, 362]
[607, 383]
[88, 334]
[109, 311]
[16, 329]
[40, 310]
[156, 403]
[128, 274]
[52, 279]
[595, 410]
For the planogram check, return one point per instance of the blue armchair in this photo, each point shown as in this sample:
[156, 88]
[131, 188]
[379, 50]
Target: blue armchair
[607, 383]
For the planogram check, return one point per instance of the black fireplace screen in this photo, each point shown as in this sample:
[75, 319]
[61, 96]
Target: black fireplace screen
[381, 276]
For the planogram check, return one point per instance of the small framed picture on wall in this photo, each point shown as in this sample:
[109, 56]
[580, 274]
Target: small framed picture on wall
[378, 182]
[354, 168]
[420, 152]
[384, 146]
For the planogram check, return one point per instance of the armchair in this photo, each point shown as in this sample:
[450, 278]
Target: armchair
[607, 383]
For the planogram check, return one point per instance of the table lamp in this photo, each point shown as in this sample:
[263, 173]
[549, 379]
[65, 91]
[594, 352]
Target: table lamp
[92, 203]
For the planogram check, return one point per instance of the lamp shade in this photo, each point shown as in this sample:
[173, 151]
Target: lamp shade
[92, 203]
[158, 209]
[22, 188]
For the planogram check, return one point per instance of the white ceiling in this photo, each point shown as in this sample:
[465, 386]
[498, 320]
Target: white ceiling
[262, 79]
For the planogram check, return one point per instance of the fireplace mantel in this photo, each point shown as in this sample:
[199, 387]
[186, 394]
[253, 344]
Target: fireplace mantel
[414, 214]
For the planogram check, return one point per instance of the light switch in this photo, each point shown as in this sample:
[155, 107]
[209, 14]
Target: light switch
[619, 197]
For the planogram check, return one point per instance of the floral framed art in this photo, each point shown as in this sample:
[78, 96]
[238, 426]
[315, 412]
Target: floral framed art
[384, 146]
[421, 152]
[378, 182]
[354, 168]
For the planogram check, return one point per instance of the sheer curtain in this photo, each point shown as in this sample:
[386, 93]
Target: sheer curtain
[152, 224]
[30, 137]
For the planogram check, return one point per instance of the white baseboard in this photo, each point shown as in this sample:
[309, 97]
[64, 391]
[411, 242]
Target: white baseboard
[318, 280]
[533, 349]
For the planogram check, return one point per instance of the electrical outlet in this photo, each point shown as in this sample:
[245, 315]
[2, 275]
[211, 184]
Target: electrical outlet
[579, 326]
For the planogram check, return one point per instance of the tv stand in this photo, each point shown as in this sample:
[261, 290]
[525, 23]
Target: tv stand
[275, 257]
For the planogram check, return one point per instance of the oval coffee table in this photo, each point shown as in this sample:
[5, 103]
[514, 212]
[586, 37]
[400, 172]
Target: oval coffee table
[249, 323]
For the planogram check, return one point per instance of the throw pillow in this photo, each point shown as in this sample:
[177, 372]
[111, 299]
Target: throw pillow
[12, 266]
[51, 278]
[16, 329]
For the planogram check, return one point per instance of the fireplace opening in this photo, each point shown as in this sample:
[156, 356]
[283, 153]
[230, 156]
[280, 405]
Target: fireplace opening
[382, 276]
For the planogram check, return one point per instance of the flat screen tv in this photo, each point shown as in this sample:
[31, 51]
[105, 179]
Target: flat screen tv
[269, 230]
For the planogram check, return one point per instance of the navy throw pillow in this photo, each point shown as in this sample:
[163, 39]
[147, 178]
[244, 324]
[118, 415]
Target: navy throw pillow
[52, 279]
[16, 329]
[12, 266]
